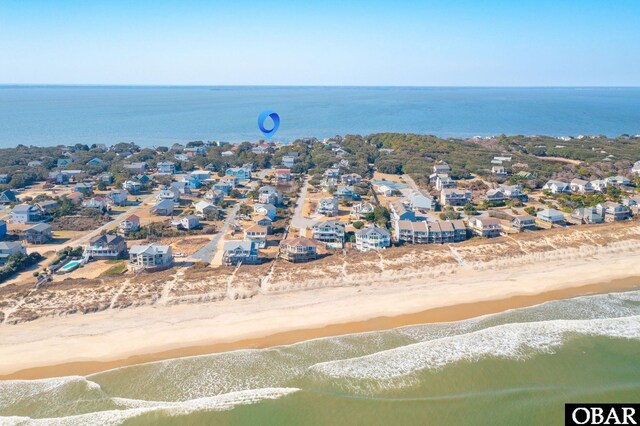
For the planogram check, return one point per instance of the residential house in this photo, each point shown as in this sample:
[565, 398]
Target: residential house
[351, 179]
[411, 232]
[455, 197]
[257, 234]
[613, 211]
[288, 161]
[34, 163]
[267, 209]
[105, 247]
[487, 227]
[190, 182]
[329, 232]
[332, 172]
[494, 196]
[187, 222]
[441, 167]
[201, 176]
[166, 168]
[636, 168]
[283, 175]
[557, 187]
[239, 173]
[206, 210]
[499, 171]
[84, 187]
[599, 185]
[618, 181]
[550, 216]
[263, 221]
[137, 167]
[441, 181]
[237, 252]
[587, 215]
[180, 188]
[372, 238]
[299, 249]
[163, 208]
[64, 162]
[327, 206]
[387, 191]
[223, 187]
[132, 187]
[4, 179]
[214, 196]
[361, 210]
[523, 222]
[168, 194]
[75, 197]
[8, 197]
[150, 258]
[25, 213]
[3, 229]
[118, 197]
[450, 231]
[229, 180]
[344, 192]
[194, 151]
[129, 225]
[399, 212]
[269, 195]
[142, 178]
[10, 248]
[95, 203]
[106, 178]
[227, 154]
[95, 161]
[40, 233]
[581, 186]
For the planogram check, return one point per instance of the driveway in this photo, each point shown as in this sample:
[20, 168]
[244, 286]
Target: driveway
[298, 221]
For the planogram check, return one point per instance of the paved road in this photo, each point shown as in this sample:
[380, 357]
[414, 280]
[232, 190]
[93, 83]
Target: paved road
[298, 221]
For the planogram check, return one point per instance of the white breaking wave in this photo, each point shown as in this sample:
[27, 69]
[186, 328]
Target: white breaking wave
[15, 391]
[515, 341]
[134, 408]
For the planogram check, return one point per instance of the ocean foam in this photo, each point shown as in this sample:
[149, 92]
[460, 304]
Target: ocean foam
[134, 408]
[515, 341]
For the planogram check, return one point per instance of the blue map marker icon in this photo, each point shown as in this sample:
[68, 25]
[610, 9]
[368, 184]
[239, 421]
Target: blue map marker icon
[276, 123]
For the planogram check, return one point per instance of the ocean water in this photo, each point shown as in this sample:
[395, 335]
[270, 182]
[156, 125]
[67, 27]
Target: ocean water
[37, 115]
[514, 368]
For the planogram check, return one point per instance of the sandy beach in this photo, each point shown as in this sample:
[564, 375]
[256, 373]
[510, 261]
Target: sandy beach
[82, 344]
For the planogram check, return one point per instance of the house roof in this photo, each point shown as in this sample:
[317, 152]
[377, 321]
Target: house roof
[373, 229]
[133, 218]
[235, 244]
[22, 208]
[39, 227]
[300, 242]
[150, 249]
[107, 239]
[257, 228]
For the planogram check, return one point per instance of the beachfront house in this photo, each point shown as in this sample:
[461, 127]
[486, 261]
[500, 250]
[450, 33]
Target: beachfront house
[105, 247]
[612, 211]
[150, 258]
[372, 238]
[329, 232]
[487, 227]
[237, 252]
[257, 234]
[25, 213]
[327, 206]
[455, 197]
[268, 210]
[449, 231]
[299, 249]
[129, 225]
[40, 233]
[10, 248]
[523, 222]
[552, 216]
[411, 232]
[586, 215]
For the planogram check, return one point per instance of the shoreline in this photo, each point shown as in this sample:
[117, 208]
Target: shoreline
[446, 313]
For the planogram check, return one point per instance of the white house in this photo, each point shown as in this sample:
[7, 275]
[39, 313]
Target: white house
[372, 238]
[25, 213]
[166, 168]
[557, 187]
[150, 258]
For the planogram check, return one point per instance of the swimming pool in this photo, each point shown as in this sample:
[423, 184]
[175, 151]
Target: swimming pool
[70, 266]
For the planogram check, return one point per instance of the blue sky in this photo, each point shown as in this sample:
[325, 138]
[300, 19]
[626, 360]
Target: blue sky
[424, 43]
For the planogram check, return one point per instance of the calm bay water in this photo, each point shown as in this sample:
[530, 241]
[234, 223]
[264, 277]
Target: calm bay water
[163, 115]
[514, 368]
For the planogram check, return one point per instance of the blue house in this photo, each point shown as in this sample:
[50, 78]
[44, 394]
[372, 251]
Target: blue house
[3, 229]
[224, 187]
[191, 181]
[239, 172]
